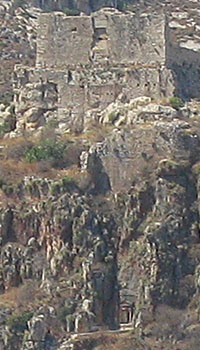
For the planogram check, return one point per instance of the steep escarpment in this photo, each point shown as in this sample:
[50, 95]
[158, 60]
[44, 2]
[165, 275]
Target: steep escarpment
[87, 258]
[99, 178]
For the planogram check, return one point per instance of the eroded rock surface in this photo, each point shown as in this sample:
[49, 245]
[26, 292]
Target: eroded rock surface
[114, 246]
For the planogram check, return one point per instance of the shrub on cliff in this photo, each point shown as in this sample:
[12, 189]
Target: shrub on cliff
[67, 180]
[46, 150]
[121, 5]
[4, 128]
[176, 102]
[71, 12]
[18, 323]
[64, 311]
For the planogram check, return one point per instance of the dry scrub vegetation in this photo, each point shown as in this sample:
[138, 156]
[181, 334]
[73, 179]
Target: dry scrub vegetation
[21, 298]
[28, 156]
[47, 155]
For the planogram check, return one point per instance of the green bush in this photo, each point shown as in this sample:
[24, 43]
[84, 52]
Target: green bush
[18, 323]
[112, 116]
[55, 189]
[46, 150]
[52, 124]
[67, 180]
[65, 311]
[4, 128]
[8, 189]
[176, 102]
[6, 97]
[71, 12]
[121, 5]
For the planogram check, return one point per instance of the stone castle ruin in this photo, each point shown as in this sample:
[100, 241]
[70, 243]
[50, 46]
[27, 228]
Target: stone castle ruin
[84, 63]
[183, 49]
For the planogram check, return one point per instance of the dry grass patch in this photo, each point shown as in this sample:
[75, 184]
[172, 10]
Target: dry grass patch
[14, 172]
[27, 296]
[10, 298]
[15, 148]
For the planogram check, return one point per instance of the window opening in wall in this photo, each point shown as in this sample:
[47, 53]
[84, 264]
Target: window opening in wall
[74, 30]
[69, 77]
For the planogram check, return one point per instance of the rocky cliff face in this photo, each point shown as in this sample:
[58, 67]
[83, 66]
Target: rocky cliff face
[99, 178]
[70, 257]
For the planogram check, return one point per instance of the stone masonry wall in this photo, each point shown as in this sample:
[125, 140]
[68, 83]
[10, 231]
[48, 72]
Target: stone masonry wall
[63, 40]
[114, 37]
[183, 48]
[72, 92]
[85, 62]
[108, 34]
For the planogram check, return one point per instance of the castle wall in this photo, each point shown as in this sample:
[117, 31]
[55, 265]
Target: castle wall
[106, 36]
[85, 62]
[183, 52]
[63, 40]
[129, 38]
[185, 64]
[69, 94]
